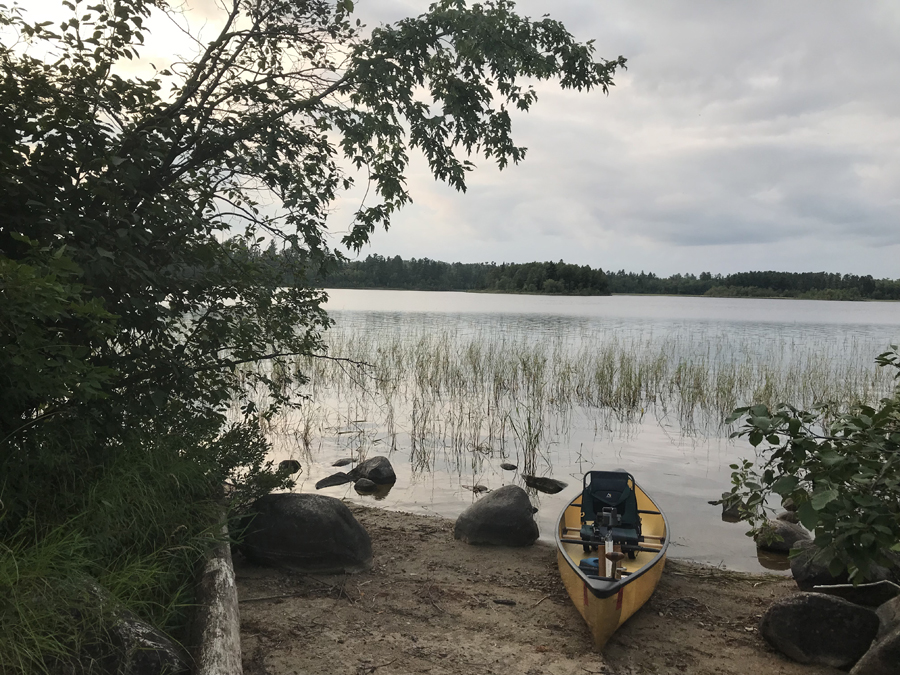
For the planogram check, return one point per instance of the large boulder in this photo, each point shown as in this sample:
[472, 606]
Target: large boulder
[305, 532]
[376, 469]
[819, 629]
[143, 650]
[883, 657]
[504, 517]
[780, 536]
[872, 594]
[888, 617]
[809, 570]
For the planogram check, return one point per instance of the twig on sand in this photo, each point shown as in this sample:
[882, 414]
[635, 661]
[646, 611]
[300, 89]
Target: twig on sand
[539, 601]
[361, 669]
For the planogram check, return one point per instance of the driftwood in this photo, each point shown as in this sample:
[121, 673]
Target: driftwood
[217, 625]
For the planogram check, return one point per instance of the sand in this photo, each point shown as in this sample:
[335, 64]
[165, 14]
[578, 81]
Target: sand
[434, 605]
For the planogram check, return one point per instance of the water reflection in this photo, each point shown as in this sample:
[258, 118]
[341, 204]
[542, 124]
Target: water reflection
[554, 387]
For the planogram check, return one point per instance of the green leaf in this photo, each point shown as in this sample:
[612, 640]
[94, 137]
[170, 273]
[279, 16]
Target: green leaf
[808, 516]
[821, 499]
[785, 485]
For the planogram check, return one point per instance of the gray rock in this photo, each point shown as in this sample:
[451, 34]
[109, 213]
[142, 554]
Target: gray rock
[883, 657]
[289, 465]
[780, 537]
[506, 466]
[888, 617]
[503, 517]
[305, 532]
[872, 594]
[143, 650]
[365, 487]
[788, 517]
[808, 569]
[376, 469]
[339, 478]
[819, 629]
[788, 504]
[549, 485]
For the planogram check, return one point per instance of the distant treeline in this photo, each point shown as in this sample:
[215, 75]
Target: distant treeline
[562, 278]
[807, 285]
[432, 275]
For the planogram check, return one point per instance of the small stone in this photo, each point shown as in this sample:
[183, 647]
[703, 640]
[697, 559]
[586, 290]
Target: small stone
[365, 487]
[289, 465]
[343, 462]
[506, 466]
[549, 485]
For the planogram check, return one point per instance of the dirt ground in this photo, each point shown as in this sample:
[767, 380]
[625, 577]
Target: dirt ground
[435, 605]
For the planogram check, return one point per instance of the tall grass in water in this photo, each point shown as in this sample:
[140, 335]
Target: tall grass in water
[468, 394]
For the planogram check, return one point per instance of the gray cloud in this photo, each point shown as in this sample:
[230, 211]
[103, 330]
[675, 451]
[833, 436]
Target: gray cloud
[742, 135]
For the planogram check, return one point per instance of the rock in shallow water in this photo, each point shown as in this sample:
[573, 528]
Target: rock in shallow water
[549, 485]
[305, 532]
[339, 478]
[289, 465]
[376, 469]
[780, 536]
[504, 517]
[364, 486]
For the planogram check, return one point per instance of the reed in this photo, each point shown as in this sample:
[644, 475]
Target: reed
[465, 394]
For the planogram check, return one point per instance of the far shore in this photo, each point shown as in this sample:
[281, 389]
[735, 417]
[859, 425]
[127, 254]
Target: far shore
[601, 295]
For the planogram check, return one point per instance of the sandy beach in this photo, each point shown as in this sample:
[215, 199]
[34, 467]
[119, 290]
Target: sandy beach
[432, 604]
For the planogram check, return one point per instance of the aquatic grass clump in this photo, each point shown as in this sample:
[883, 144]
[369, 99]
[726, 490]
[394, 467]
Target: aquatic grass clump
[458, 392]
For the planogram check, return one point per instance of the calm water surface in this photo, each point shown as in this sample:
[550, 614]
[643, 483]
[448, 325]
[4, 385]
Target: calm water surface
[682, 469]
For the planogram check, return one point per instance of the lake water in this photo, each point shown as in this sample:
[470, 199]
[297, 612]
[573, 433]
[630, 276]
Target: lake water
[444, 435]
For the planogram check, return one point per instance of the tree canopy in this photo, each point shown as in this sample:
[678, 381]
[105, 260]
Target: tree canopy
[131, 297]
[128, 202]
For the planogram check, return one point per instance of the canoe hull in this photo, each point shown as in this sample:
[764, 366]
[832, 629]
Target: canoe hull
[606, 605]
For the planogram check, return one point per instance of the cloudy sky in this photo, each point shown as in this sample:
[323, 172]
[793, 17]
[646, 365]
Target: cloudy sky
[743, 136]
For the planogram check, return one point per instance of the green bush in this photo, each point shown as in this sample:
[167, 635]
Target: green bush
[842, 471]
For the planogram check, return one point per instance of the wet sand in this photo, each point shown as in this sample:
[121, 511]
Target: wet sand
[434, 605]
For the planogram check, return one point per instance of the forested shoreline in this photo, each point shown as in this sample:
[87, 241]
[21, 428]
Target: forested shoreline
[560, 278]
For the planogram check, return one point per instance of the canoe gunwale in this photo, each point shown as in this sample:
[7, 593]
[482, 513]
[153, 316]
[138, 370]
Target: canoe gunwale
[603, 587]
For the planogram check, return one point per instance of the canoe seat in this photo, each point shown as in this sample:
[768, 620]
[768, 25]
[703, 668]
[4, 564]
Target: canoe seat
[609, 508]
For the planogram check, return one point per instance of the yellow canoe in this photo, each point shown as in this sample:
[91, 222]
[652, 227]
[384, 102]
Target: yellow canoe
[606, 602]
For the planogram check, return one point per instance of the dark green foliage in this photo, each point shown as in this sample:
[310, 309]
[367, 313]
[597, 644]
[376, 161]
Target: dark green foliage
[841, 470]
[136, 279]
[432, 275]
[805, 285]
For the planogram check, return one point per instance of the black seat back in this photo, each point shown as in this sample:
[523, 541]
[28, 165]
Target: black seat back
[612, 490]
